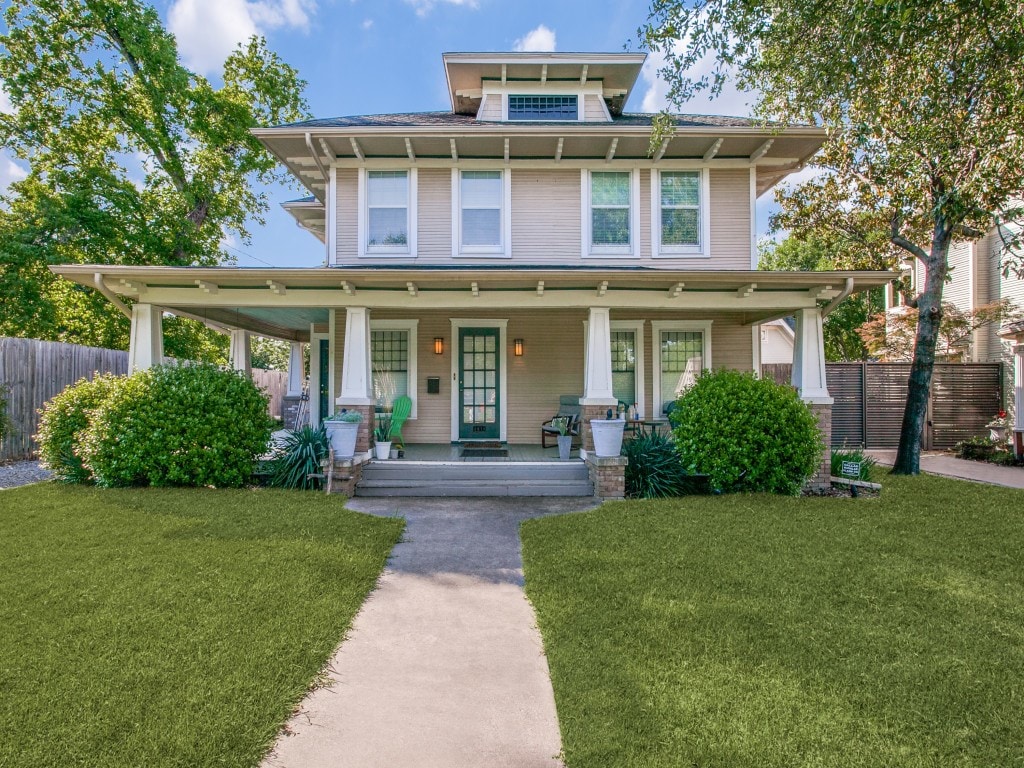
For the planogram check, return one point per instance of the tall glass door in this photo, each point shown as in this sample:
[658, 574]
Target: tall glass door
[479, 398]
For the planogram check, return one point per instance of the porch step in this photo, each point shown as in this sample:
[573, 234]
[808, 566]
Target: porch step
[411, 478]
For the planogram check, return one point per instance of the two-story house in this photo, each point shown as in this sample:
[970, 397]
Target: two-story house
[526, 244]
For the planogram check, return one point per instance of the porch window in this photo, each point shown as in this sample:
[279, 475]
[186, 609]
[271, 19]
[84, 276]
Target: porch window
[481, 225]
[393, 357]
[681, 352]
[680, 214]
[624, 354]
[387, 212]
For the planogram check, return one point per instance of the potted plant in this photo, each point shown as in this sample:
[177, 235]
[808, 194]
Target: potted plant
[562, 424]
[382, 436]
[343, 428]
[607, 434]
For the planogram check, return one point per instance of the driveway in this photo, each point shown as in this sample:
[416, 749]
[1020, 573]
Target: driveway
[444, 664]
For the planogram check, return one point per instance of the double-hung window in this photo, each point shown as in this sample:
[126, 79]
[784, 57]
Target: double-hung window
[387, 220]
[681, 352]
[481, 215]
[608, 213]
[681, 215]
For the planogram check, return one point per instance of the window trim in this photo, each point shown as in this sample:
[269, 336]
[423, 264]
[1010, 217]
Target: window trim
[684, 326]
[373, 251]
[412, 327]
[502, 251]
[589, 250]
[703, 248]
[580, 106]
[548, 90]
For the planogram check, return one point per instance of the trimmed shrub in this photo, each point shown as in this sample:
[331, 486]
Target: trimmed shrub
[299, 457]
[62, 424]
[655, 469]
[867, 463]
[747, 434]
[191, 425]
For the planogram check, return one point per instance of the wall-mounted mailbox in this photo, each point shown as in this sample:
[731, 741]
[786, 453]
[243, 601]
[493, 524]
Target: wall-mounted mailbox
[433, 385]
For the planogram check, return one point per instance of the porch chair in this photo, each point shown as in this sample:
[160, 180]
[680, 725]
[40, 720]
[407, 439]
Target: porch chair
[568, 408]
[400, 411]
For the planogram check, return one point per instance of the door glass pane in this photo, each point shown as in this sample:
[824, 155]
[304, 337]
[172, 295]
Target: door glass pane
[624, 366]
[682, 360]
[489, 344]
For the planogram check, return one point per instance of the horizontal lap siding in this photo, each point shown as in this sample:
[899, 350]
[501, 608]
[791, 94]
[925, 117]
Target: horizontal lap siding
[958, 291]
[435, 213]
[645, 214]
[593, 109]
[347, 210]
[490, 109]
[546, 216]
[730, 222]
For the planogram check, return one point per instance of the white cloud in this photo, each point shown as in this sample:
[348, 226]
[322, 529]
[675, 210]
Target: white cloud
[207, 31]
[539, 39]
[367, 23]
[423, 7]
[5, 102]
[10, 172]
[731, 101]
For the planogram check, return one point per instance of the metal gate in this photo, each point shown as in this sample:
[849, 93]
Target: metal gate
[870, 398]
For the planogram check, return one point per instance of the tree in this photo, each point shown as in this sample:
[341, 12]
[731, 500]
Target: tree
[923, 104]
[133, 159]
[270, 354]
[842, 342]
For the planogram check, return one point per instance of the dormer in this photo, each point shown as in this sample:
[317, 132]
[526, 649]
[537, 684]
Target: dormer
[541, 87]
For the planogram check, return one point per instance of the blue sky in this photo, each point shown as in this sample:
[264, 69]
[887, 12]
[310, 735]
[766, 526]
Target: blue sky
[370, 56]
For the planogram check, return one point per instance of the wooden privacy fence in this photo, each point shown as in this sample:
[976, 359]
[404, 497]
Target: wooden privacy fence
[35, 371]
[870, 398]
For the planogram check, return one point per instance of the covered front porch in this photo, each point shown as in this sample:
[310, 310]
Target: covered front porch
[487, 353]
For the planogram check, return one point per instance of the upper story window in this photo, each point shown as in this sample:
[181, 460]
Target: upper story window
[481, 208]
[543, 107]
[681, 212]
[388, 212]
[609, 205]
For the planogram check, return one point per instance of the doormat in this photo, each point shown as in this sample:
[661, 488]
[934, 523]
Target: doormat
[485, 453]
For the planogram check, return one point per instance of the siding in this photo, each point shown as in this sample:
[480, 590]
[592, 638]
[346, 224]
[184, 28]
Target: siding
[593, 109]
[490, 108]
[552, 363]
[958, 291]
[348, 212]
[645, 214]
[435, 213]
[546, 216]
[730, 221]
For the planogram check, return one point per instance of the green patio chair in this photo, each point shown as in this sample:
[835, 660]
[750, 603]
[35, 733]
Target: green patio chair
[400, 410]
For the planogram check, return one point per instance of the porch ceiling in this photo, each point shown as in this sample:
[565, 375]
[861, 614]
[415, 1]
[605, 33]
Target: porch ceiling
[282, 303]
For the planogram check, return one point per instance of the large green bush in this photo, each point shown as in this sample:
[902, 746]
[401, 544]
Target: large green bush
[62, 424]
[747, 434]
[178, 425]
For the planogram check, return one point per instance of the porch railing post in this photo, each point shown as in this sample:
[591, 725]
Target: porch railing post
[146, 347]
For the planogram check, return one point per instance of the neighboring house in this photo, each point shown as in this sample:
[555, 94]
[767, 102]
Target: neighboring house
[777, 342]
[524, 245]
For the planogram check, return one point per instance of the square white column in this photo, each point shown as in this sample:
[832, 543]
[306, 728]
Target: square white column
[356, 367]
[296, 369]
[597, 381]
[1018, 387]
[146, 347]
[809, 358]
[240, 356]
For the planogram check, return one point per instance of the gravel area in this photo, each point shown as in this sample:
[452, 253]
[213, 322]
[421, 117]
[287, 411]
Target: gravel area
[22, 473]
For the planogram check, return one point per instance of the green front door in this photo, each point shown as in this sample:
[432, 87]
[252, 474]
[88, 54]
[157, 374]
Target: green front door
[479, 398]
[323, 386]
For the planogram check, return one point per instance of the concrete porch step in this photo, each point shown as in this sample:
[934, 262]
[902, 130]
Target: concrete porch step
[406, 478]
[472, 488]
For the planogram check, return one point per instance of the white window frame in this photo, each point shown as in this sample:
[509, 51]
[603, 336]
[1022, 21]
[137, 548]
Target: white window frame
[587, 220]
[703, 248]
[409, 249]
[545, 91]
[504, 249]
[657, 327]
[412, 327]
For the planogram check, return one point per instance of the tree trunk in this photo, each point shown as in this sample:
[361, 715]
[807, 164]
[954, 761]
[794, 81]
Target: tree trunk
[929, 307]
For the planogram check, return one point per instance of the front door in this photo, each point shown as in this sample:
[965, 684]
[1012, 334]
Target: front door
[479, 398]
[323, 388]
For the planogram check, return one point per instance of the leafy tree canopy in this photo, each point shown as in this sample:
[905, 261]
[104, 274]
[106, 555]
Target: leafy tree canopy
[133, 159]
[923, 105]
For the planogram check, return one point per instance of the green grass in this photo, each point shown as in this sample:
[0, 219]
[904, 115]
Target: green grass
[765, 631]
[170, 627]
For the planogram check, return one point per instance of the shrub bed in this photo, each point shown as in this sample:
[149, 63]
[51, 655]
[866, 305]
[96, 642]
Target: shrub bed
[747, 434]
[62, 424]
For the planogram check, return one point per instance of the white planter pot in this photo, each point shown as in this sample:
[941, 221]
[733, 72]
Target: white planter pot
[382, 450]
[607, 436]
[564, 447]
[394, 453]
[997, 433]
[343, 437]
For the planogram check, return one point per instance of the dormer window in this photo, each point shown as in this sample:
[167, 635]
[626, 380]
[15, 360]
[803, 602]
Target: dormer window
[543, 108]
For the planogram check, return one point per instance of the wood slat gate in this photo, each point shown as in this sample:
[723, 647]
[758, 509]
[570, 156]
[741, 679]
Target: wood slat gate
[870, 398]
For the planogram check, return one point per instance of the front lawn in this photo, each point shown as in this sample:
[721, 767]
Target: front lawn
[764, 631]
[170, 627]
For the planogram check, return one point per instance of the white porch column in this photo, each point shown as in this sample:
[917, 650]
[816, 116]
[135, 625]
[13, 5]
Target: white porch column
[809, 358]
[1018, 386]
[356, 368]
[295, 370]
[241, 352]
[146, 347]
[597, 381]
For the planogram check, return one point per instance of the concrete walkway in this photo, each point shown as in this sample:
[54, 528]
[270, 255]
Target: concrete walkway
[444, 665]
[961, 469]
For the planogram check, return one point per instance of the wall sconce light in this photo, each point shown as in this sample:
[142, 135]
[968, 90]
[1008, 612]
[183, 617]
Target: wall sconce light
[438, 345]
[518, 347]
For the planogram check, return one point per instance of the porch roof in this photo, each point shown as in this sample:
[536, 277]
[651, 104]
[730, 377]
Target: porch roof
[283, 303]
